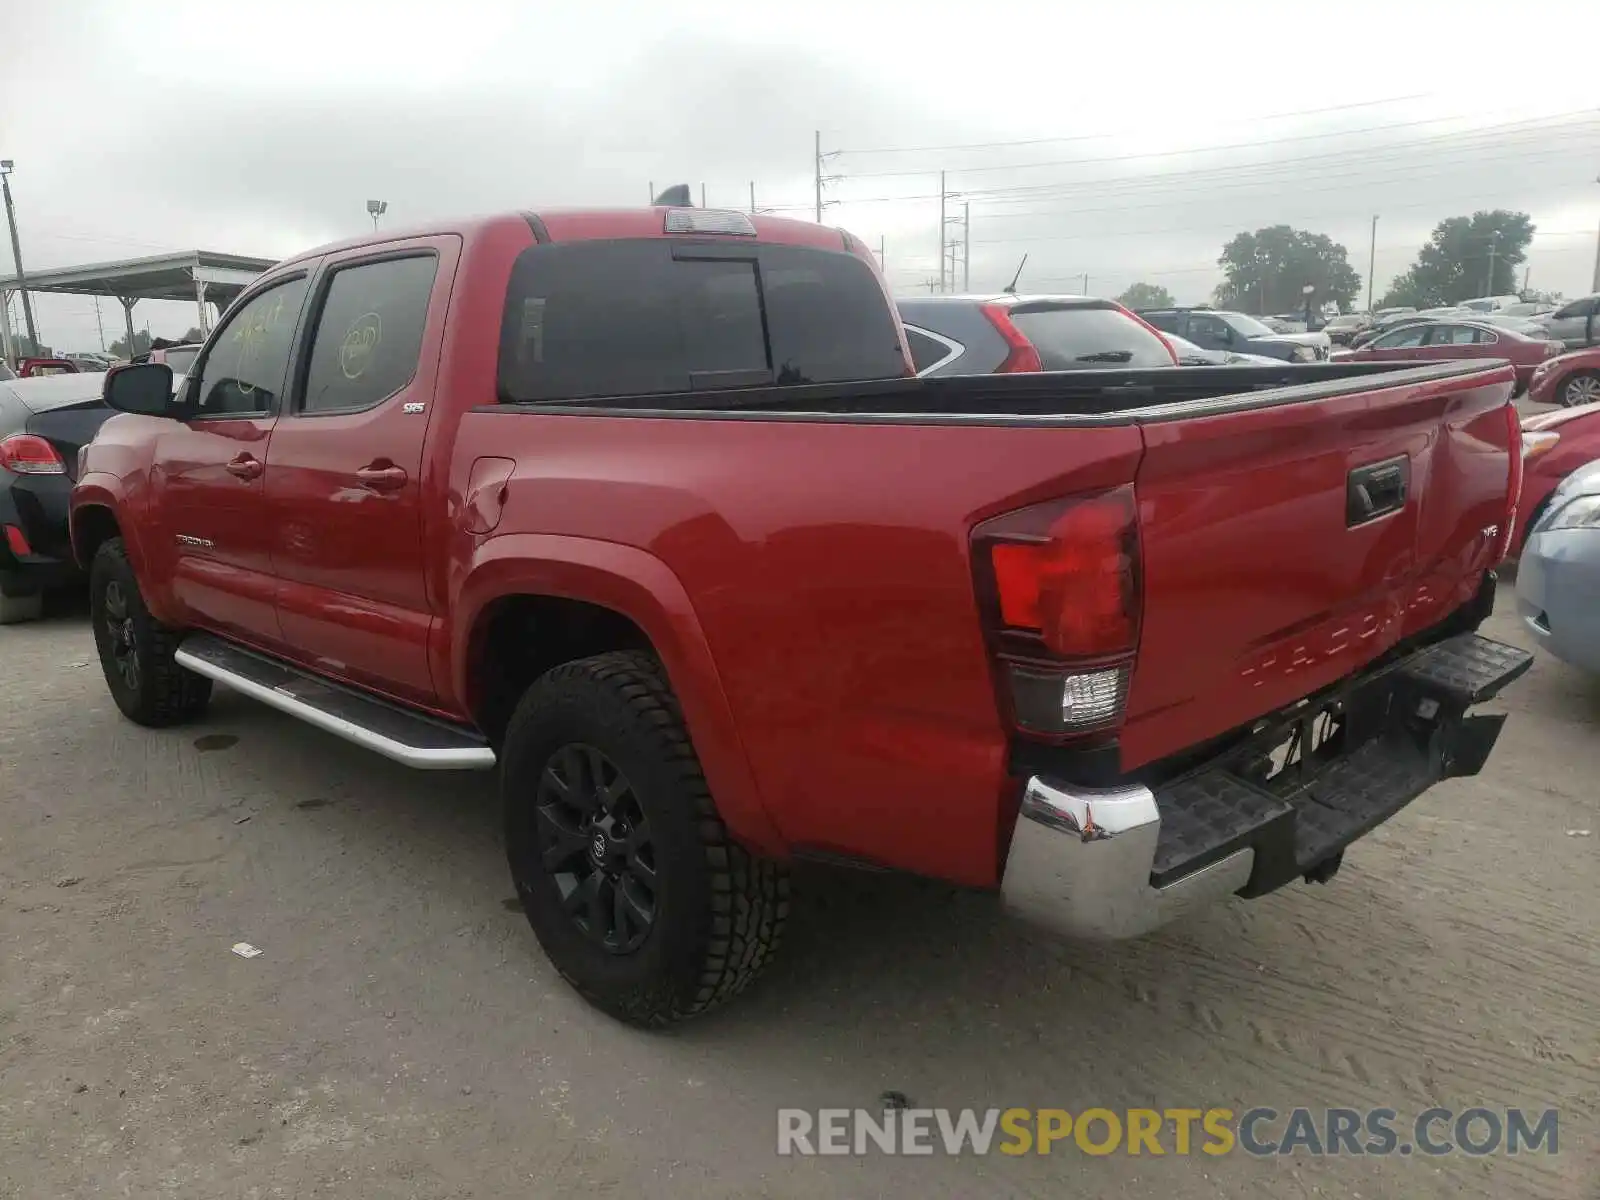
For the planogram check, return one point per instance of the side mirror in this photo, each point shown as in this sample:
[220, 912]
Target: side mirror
[142, 388]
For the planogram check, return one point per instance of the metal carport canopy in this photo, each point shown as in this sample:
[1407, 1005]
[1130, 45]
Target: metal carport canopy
[198, 275]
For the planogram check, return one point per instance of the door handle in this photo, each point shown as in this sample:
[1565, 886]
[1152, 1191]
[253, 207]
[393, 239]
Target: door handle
[382, 477]
[245, 467]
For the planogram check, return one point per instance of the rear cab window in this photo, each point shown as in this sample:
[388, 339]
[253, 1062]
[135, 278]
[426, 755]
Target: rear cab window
[1085, 337]
[642, 317]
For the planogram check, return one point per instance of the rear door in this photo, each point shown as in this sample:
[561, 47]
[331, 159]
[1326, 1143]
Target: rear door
[1445, 342]
[345, 481]
[1286, 545]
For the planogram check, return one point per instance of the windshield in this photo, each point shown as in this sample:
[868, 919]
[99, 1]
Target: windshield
[1247, 326]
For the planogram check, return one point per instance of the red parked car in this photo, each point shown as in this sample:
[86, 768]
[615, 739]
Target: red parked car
[1447, 340]
[644, 509]
[1569, 380]
[1554, 445]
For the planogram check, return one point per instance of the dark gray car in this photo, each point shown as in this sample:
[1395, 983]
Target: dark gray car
[1218, 329]
[986, 335]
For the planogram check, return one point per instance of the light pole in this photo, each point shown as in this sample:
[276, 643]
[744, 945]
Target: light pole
[1372, 261]
[16, 254]
[1494, 244]
[1596, 281]
[376, 209]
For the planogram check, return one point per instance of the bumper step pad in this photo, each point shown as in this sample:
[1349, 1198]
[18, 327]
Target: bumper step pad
[1206, 816]
[1296, 826]
[1468, 669]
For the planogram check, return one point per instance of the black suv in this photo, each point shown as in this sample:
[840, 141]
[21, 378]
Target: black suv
[1217, 329]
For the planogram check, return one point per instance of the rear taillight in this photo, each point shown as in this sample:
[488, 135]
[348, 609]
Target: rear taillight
[1020, 352]
[28, 454]
[1502, 546]
[1059, 583]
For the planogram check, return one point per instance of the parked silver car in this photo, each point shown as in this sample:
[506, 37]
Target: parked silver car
[1558, 577]
[1577, 323]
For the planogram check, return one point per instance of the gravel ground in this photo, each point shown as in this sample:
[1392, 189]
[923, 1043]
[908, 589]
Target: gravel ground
[401, 1035]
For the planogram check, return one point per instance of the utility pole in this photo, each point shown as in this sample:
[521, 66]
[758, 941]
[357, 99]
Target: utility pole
[702, 195]
[820, 158]
[1372, 260]
[1085, 291]
[883, 256]
[941, 231]
[16, 255]
[652, 192]
[1494, 244]
[966, 246]
[100, 324]
[752, 197]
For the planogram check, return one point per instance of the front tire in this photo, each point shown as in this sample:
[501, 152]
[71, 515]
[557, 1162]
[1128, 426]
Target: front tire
[1582, 388]
[136, 650]
[625, 870]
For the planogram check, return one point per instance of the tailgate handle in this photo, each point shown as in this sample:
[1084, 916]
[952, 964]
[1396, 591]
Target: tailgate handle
[1376, 490]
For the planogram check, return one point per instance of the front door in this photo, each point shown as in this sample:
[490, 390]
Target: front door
[208, 470]
[346, 474]
[1398, 344]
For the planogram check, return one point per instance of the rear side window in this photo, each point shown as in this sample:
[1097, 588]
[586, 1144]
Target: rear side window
[927, 351]
[621, 318]
[1171, 322]
[1077, 339]
[369, 333]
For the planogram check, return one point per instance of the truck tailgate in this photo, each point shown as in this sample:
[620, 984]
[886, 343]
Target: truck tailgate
[1286, 546]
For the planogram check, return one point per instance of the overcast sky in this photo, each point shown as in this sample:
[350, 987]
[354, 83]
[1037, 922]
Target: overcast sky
[1108, 138]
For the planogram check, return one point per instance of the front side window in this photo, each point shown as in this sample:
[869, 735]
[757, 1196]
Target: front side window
[244, 368]
[181, 358]
[369, 333]
[1401, 339]
[1247, 327]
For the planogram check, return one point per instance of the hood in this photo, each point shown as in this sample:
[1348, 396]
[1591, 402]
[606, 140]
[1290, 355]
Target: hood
[1302, 339]
[45, 393]
[1585, 481]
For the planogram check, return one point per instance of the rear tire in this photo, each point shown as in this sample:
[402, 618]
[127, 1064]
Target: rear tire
[1582, 387]
[136, 650]
[626, 872]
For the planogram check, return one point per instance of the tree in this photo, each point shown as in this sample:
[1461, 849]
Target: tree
[141, 344]
[195, 334]
[1454, 264]
[1145, 295]
[1267, 271]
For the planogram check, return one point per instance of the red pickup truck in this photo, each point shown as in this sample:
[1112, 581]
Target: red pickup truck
[645, 509]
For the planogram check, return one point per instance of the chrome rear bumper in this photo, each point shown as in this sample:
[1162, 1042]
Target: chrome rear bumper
[1081, 861]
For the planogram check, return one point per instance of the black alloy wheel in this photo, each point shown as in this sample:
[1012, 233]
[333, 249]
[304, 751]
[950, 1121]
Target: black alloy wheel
[121, 638]
[594, 839]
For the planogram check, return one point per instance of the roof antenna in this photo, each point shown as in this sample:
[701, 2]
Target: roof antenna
[676, 196]
[1011, 288]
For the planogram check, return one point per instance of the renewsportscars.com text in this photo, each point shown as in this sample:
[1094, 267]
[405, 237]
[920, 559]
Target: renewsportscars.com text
[1181, 1131]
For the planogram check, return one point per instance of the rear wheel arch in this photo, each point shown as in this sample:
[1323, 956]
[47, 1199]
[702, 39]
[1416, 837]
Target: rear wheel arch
[597, 598]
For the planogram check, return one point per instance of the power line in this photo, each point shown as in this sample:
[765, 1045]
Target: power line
[1089, 137]
[1251, 145]
[1240, 173]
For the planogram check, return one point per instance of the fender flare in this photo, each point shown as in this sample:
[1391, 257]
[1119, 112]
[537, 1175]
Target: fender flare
[639, 586]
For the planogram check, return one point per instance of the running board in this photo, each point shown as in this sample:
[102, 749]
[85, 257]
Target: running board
[410, 738]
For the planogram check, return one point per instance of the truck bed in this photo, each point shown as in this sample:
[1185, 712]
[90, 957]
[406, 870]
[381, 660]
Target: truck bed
[1066, 397]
